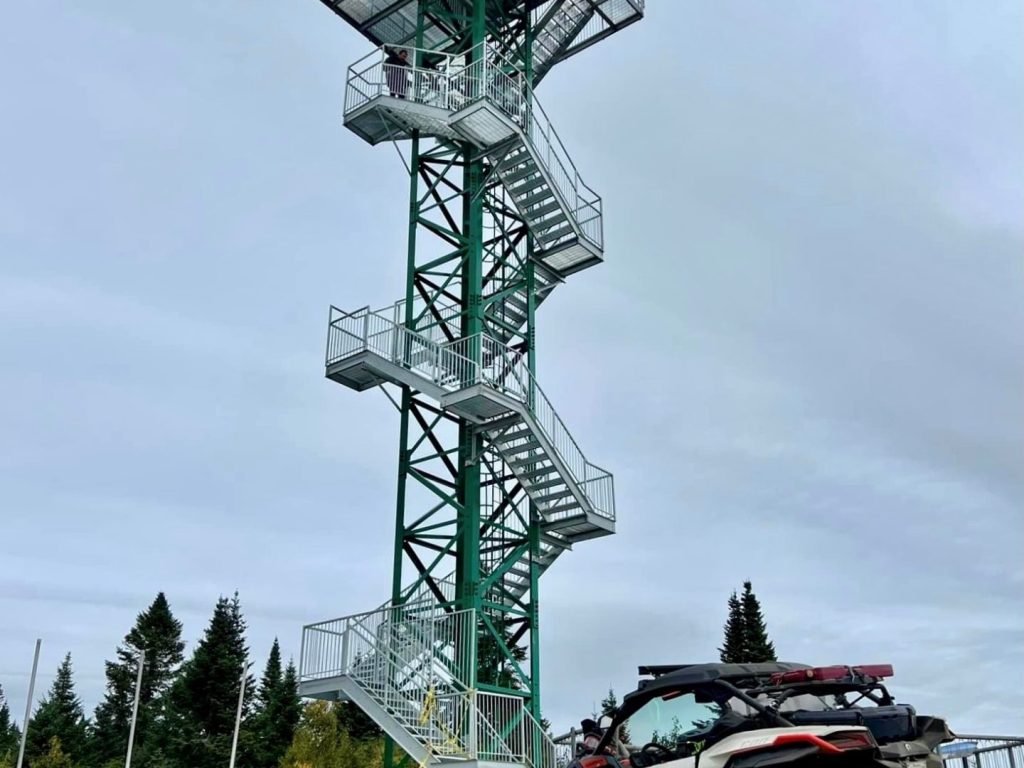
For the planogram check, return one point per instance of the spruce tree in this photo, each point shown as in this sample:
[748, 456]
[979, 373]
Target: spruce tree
[734, 647]
[10, 736]
[158, 633]
[758, 647]
[200, 712]
[608, 705]
[277, 711]
[59, 715]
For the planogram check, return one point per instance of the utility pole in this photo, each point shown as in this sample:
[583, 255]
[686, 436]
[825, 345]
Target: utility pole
[238, 714]
[28, 703]
[135, 708]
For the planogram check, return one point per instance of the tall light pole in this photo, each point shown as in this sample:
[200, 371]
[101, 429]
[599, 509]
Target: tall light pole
[238, 714]
[135, 708]
[28, 704]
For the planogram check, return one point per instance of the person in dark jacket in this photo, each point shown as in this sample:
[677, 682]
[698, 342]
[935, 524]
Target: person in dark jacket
[394, 71]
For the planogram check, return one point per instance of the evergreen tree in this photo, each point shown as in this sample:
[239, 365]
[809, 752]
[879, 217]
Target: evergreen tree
[54, 757]
[758, 647]
[201, 703]
[59, 715]
[493, 666]
[10, 736]
[608, 705]
[734, 648]
[158, 633]
[356, 723]
[277, 711]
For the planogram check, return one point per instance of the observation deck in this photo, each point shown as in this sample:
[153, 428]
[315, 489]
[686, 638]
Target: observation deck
[561, 28]
[479, 98]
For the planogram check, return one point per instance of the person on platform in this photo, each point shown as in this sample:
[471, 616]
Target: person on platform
[394, 71]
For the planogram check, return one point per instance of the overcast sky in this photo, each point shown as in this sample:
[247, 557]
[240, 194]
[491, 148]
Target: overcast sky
[802, 358]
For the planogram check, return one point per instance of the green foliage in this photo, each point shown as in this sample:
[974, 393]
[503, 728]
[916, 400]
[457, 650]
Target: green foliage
[277, 711]
[320, 742]
[746, 635]
[200, 713]
[59, 716]
[497, 656]
[355, 722]
[10, 736]
[758, 646]
[670, 738]
[159, 633]
[54, 757]
[733, 650]
[610, 703]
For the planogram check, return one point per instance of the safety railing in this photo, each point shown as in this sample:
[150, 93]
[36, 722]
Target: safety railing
[434, 79]
[968, 751]
[507, 371]
[455, 81]
[477, 359]
[416, 662]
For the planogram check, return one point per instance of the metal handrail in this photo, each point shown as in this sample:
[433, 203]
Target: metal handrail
[456, 81]
[405, 664]
[453, 366]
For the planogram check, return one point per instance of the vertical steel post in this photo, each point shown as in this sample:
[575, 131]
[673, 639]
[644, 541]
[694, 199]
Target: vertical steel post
[28, 702]
[238, 714]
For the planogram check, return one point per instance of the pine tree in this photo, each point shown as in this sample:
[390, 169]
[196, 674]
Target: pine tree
[10, 736]
[356, 723]
[610, 703]
[54, 757]
[758, 647]
[159, 634]
[201, 703]
[734, 649]
[59, 715]
[277, 711]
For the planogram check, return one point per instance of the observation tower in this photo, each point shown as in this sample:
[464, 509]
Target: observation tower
[492, 487]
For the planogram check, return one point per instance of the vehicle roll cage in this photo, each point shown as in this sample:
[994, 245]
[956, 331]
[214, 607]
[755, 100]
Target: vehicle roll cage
[719, 689]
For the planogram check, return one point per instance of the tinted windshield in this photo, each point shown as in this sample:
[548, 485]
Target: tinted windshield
[666, 721]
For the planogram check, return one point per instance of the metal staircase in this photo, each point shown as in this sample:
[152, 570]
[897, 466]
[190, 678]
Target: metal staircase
[489, 475]
[408, 667]
[478, 97]
[489, 384]
[562, 28]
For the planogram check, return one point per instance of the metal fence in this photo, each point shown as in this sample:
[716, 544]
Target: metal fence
[970, 751]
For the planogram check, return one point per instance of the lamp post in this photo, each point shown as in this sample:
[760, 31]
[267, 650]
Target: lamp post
[135, 708]
[238, 714]
[28, 704]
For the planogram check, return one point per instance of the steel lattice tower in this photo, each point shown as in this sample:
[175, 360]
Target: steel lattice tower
[491, 485]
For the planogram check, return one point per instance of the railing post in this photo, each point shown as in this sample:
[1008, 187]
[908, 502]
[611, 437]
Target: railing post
[473, 726]
[345, 648]
[366, 330]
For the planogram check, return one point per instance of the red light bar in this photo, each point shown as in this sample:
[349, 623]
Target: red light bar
[822, 674]
[806, 738]
[851, 739]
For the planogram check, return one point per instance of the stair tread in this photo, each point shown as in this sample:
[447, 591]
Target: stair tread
[536, 198]
[554, 235]
[548, 484]
[536, 182]
[561, 508]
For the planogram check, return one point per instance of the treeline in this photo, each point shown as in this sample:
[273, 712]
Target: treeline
[187, 708]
